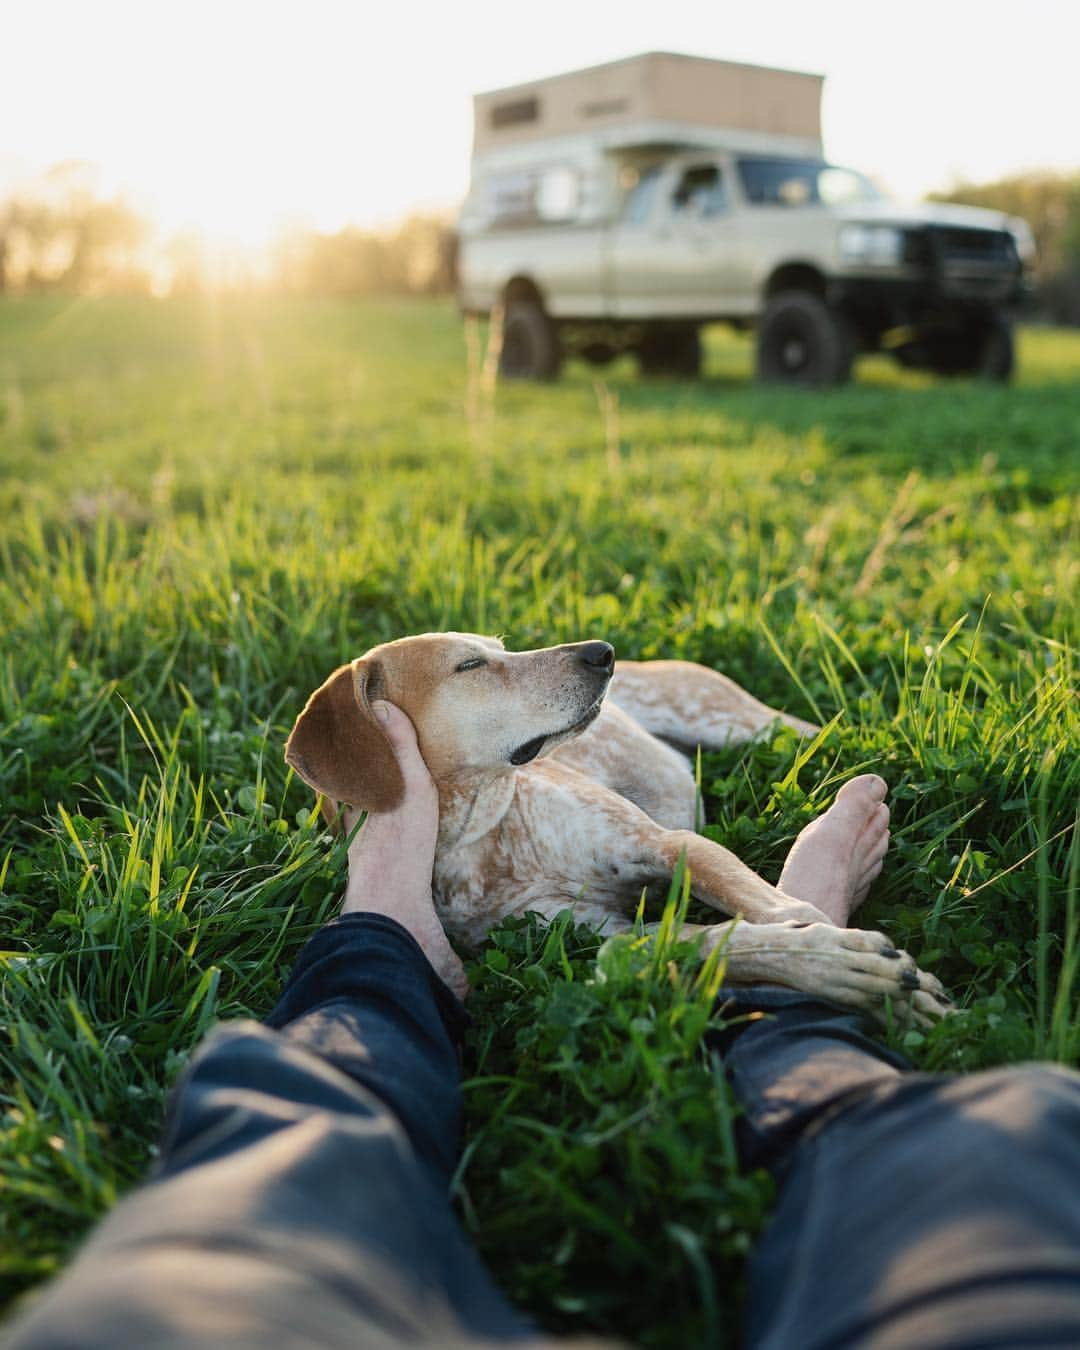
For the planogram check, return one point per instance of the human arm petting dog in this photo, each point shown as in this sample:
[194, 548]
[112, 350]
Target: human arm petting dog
[549, 797]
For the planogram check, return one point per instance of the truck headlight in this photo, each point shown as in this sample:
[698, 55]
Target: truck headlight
[1023, 239]
[874, 245]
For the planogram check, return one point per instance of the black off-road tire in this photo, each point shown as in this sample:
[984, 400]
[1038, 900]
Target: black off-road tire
[983, 347]
[531, 349]
[802, 341]
[597, 353]
[997, 360]
[671, 350]
[910, 356]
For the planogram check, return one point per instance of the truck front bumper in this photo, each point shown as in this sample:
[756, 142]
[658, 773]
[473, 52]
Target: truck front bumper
[920, 296]
[947, 274]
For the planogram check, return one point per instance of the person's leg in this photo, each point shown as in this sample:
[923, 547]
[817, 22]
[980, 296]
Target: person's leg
[301, 1194]
[928, 1211]
[914, 1209]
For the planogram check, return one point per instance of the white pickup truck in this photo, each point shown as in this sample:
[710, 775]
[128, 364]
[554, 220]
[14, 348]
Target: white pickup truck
[623, 207]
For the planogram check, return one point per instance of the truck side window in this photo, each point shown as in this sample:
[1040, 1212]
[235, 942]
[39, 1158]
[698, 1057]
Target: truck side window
[772, 181]
[641, 196]
[701, 192]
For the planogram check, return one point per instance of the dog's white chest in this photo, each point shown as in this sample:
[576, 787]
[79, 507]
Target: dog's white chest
[563, 840]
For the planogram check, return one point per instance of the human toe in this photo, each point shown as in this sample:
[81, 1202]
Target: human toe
[877, 823]
[863, 790]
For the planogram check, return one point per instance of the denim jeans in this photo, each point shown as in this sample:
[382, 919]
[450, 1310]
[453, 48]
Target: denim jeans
[914, 1210]
[300, 1199]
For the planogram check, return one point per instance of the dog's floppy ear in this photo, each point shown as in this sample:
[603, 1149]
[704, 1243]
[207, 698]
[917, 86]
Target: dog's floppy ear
[339, 748]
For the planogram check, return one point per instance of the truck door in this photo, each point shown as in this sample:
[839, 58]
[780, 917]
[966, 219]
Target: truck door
[674, 251]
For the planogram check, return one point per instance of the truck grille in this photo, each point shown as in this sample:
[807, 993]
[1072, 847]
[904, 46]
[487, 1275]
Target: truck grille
[974, 264]
[974, 246]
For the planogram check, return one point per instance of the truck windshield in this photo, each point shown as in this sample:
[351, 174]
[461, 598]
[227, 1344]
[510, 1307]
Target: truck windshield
[802, 182]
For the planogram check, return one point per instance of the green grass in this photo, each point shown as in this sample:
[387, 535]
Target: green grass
[207, 505]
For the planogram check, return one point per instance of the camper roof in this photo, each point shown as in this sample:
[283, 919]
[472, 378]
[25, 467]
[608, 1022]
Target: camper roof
[655, 87]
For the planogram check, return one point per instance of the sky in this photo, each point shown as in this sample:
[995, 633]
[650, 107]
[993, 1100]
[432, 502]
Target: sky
[240, 118]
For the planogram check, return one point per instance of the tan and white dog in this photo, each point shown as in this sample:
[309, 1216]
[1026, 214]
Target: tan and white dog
[550, 796]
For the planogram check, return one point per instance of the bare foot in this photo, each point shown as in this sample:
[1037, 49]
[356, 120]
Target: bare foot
[837, 856]
[831, 865]
[393, 854]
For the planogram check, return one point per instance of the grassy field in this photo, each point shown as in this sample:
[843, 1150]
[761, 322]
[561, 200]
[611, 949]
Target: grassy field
[206, 506]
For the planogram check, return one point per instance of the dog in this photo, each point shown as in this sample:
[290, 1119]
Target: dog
[564, 781]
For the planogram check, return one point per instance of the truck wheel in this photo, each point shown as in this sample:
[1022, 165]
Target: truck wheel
[671, 351]
[530, 343]
[598, 353]
[998, 356]
[985, 348]
[802, 341]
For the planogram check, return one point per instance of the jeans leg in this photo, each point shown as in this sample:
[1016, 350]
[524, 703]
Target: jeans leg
[300, 1200]
[363, 998]
[791, 1060]
[914, 1209]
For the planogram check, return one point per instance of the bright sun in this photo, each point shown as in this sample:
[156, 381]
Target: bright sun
[232, 200]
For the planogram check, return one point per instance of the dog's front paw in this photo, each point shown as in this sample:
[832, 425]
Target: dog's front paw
[864, 970]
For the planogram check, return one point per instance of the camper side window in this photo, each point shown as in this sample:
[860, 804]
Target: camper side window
[511, 198]
[529, 197]
[557, 193]
[701, 192]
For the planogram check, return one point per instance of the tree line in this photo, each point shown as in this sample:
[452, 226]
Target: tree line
[61, 234]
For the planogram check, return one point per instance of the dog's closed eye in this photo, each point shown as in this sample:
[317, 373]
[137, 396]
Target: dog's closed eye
[471, 664]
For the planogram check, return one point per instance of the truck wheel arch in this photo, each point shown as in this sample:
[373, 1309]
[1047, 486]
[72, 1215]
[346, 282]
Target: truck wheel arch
[795, 276]
[522, 288]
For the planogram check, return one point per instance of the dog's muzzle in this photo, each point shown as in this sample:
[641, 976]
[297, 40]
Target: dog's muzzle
[524, 753]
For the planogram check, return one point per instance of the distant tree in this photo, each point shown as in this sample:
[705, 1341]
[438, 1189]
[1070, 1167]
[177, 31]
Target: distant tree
[414, 258]
[31, 233]
[5, 244]
[58, 234]
[1070, 234]
[105, 240]
[187, 264]
[62, 233]
[351, 262]
[426, 248]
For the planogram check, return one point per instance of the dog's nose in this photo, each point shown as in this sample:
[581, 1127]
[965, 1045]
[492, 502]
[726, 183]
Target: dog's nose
[597, 655]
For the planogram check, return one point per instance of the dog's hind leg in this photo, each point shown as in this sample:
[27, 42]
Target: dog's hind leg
[689, 705]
